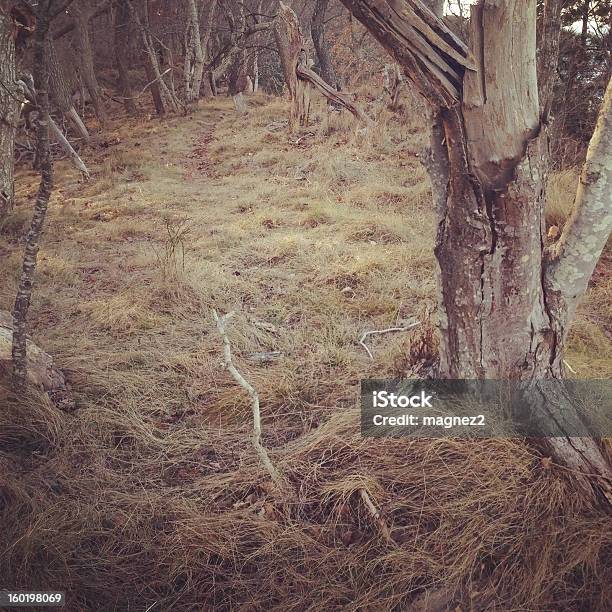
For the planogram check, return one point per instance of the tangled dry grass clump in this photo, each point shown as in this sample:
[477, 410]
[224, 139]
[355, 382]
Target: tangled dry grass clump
[149, 496]
[126, 515]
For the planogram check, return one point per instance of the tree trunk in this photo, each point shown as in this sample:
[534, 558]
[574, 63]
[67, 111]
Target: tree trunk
[158, 101]
[497, 317]
[87, 69]
[207, 90]
[24, 292]
[317, 30]
[163, 98]
[205, 44]
[60, 92]
[237, 82]
[9, 110]
[122, 49]
[298, 76]
[76, 161]
[256, 71]
[290, 48]
[193, 78]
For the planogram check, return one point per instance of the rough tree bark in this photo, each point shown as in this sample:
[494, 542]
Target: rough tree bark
[317, 31]
[24, 291]
[122, 46]
[9, 109]
[497, 318]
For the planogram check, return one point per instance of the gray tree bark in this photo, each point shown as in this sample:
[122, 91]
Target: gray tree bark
[9, 110]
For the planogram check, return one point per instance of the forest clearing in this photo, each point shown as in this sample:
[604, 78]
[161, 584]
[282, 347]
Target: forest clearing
[225, 235]
[156, 489]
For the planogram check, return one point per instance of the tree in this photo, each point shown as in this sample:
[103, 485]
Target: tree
[122, 46]
[60, 92]
[9, 107]
[163, 98]
[45, 10]
[317, 31]
[505, 300]
[82, 13]
[298, 75]
[194, 55]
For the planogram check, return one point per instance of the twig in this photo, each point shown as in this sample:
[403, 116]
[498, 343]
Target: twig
[256, 437]
[121, 98]
[569, 367]
[376, 514]
[383, 331]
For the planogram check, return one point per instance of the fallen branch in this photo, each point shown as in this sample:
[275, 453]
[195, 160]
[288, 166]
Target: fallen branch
[256, 437]
[342, 99]
[72, 154]
[376, 514]
[383, 331]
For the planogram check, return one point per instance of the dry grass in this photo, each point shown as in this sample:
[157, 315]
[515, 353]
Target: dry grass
[150, 493]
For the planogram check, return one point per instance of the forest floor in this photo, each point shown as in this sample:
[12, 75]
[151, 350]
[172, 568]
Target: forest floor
[150, 493]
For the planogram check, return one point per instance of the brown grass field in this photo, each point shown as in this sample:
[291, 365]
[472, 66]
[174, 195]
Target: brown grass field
[149, 495]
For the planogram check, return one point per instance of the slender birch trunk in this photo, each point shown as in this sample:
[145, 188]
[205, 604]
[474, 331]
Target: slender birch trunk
[32, 245]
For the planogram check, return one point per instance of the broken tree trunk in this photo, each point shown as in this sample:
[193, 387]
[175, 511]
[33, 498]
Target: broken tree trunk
[497, 318]
[290, 47]
[337, 97]
[298, 76]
